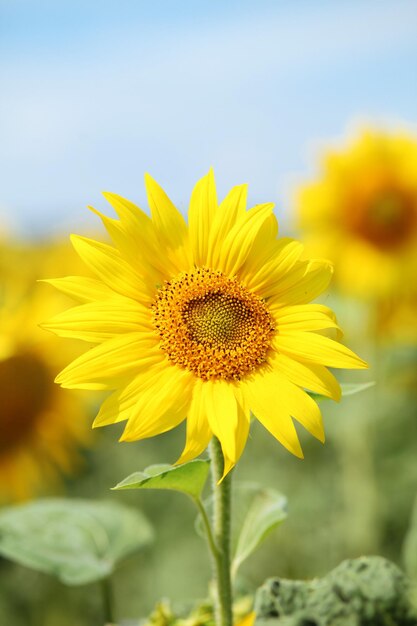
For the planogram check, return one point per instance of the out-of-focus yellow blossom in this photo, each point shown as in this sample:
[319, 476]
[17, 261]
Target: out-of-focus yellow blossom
[361, 212]
[41, 431]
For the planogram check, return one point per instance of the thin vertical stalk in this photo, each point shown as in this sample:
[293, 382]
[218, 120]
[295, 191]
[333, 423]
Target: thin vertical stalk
[221, 532]
[107, 601]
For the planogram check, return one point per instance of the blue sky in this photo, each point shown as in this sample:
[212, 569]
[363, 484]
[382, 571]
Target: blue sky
[96, 93]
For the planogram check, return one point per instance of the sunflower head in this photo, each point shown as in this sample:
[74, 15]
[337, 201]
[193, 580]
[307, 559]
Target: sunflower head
[205, 321]
[41, 431]
[362, 211]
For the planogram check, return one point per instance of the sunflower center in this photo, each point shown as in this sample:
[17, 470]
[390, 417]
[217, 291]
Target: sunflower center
[212, 325]
[384, 214]
[25, 389]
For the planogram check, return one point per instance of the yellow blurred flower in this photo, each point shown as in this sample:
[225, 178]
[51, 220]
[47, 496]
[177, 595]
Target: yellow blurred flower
[40, 430]
[361, 212]
[209, 321]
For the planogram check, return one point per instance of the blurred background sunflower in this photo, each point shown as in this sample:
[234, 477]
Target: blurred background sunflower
[42, 432]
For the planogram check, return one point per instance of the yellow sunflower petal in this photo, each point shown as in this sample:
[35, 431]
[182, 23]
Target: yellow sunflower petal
[119, 406]
[107, 263]
[203, 207]
[303, 284]
[169, 223]
[81, 288]
[315, 378]
[222, 415]
[98, 321]
[242, 432]
[162, 406]
[261, 394]
[239, 241]
[298, 404]
[304, 317]
[105, 365]
[198, 430]
[136, 238]
[230, 210]
[268, 275]
[314, 348]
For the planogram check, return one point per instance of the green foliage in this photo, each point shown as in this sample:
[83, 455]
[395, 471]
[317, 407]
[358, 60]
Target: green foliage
[78, 541]
[410, 546]
[351, 389]
[256, 512]
[348, 389]
[266, 509]
[189, 478]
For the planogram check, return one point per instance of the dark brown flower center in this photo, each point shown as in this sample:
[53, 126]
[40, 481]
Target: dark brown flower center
[25, 391]
[383, 213]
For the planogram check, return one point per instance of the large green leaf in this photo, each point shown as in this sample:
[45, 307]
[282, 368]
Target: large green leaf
[188, 478]
[78, 541]
[266, 509]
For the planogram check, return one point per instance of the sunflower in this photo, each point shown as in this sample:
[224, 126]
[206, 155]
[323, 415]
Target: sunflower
[208, 321]
[41, 430]
[362, 213]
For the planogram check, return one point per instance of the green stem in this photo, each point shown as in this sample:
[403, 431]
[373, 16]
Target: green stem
[107, 601]
[210, 538]
[221, 531]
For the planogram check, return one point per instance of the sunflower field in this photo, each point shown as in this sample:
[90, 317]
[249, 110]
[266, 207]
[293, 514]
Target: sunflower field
[208, 377]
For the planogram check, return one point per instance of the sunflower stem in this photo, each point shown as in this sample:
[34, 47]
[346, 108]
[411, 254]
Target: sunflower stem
[107, 601]
[221, 532]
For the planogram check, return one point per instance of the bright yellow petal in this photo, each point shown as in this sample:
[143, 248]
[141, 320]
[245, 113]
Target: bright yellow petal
[138, 241]
[203, 207]
[315, 378]
[266, 275]
[222, 414]
[107, 263]
[81, 288]
[98, 321]
[264, 399]
[242, 432]
[169, 224]
[105, 365]
[162, 406]
[314, 348]
[231, 210]
[304, 283]
[240, 239]
[306, 317]
[198, 430]
[298, 404]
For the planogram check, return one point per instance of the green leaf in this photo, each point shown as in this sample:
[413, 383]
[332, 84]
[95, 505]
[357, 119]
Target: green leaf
[256, 512]
[188, 478]
[78, 541]
[350, 389]
[266, 509]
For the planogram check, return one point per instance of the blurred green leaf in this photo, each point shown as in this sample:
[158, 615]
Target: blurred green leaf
[348, 389]
[267, 509]
[188, 478]
[78, 541]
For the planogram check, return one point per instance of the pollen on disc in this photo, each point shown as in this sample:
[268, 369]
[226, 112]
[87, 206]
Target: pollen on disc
[212, 325]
